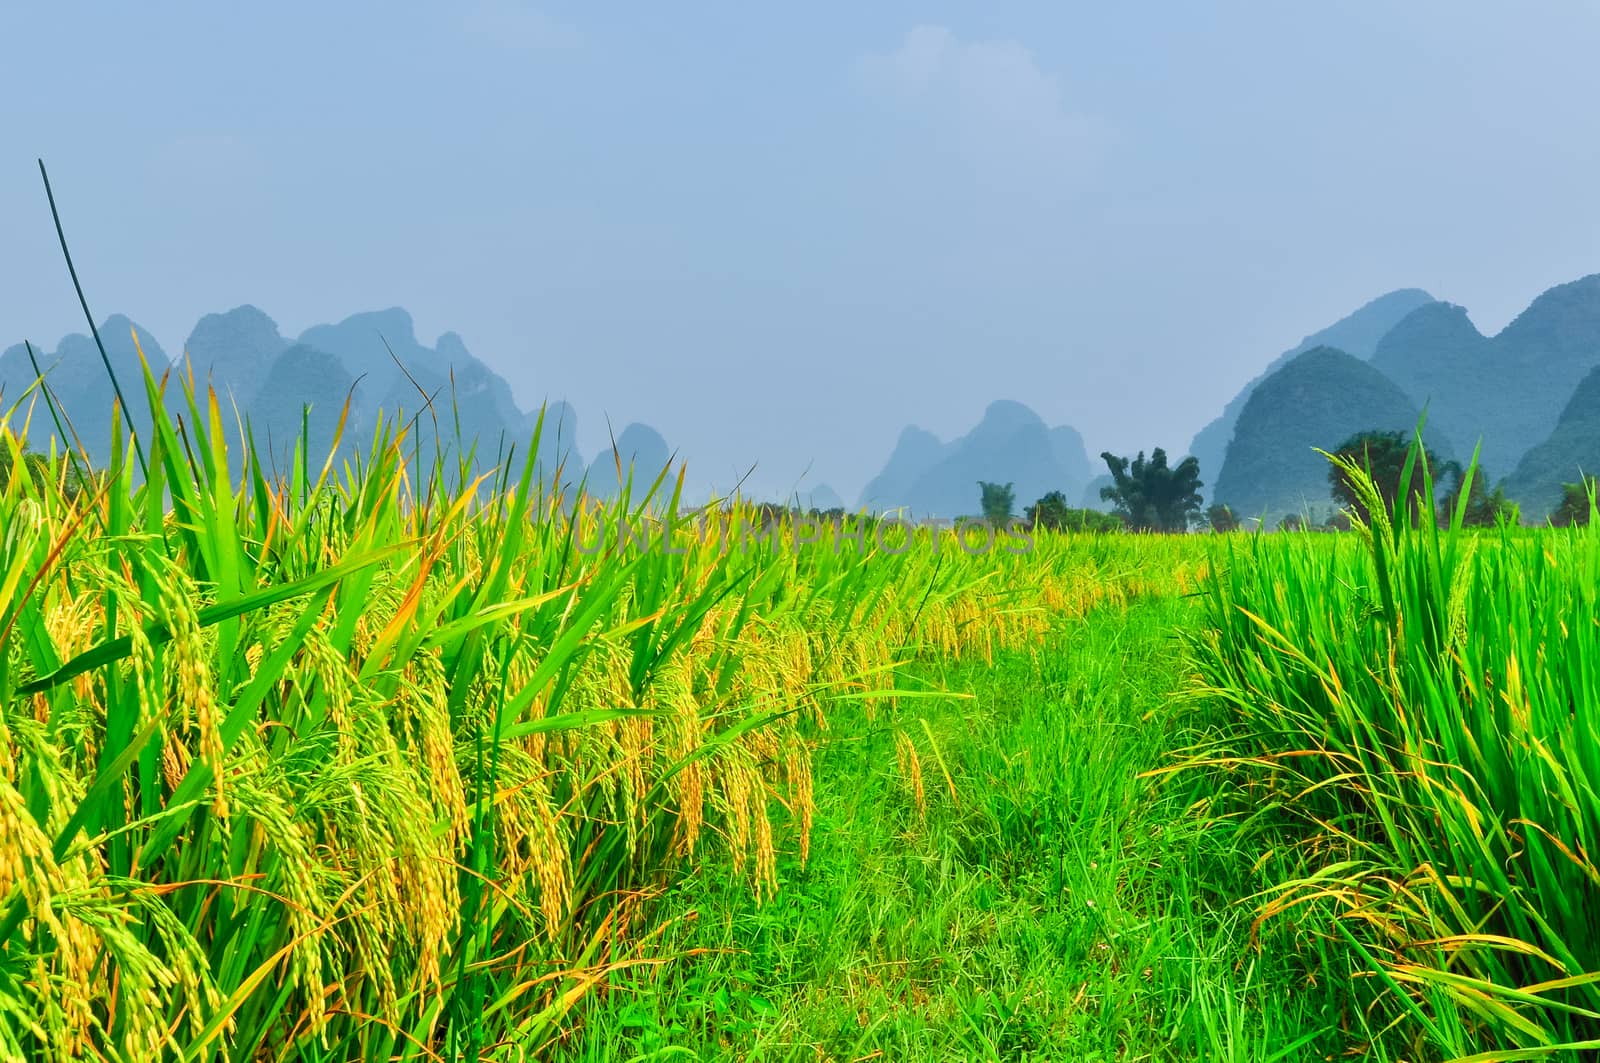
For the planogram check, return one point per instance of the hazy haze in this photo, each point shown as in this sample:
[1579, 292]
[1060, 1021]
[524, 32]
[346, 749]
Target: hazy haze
[784, 235]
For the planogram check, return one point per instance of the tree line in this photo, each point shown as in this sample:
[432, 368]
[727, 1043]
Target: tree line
[1150, 495]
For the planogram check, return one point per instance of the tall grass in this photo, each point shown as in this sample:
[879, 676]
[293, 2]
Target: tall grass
[373, 758]
[1414, 732]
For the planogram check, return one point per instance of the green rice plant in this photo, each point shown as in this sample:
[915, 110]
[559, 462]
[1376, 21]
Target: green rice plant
[1413, 742]
[369, 756]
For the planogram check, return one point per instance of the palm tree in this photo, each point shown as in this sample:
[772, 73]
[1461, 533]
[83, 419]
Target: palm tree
[998, 502]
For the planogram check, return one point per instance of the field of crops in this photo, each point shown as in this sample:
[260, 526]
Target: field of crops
[389, 762]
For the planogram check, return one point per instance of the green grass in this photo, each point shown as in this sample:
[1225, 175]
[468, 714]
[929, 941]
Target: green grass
[1051, 902]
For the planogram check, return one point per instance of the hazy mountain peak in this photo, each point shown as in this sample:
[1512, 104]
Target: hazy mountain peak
[240, 322]
[1067, 445]
[451, 348]
[821, 497]
[641, 441]
[1572, 451]
[393, 324]
[1431, 323]
[235, 350]
[117, 334]
[254, 368]
[915, 451]
[1507, 391]
[1008, 413]
[1433, 353]
[123, 327]
[1357, 333]
[77, 377]
[1583, 291]
[1009, 444]
[1318, 399]
[915, 435]
[638, 449]
[1560, 319]
[368, 344]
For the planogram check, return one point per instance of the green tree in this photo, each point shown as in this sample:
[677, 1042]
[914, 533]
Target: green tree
[1485, 508]
[1576, 503]
[7, 462]
[1383, 455]
[1221, 518]
[998, 501]
[1052, 512]
[1150, 496]
[37, 467]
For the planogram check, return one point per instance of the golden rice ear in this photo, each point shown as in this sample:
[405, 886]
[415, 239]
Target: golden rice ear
[368, 741]
[910, 768]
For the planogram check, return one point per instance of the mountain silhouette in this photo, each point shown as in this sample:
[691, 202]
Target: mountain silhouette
[1570, 453]
[1507, 391]
[76, 377]
[236, 349]
[639, 455]
[304, 388]
[821, 498]
[1011, 444]
[1357, 333]
[1525, 393]
[915, 452]
[1316, 400]
[453, 408]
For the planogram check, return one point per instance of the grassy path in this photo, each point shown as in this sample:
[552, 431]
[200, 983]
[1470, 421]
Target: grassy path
[1042, 901]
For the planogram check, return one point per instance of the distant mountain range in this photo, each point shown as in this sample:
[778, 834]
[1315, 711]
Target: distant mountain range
[78, 378]
[1516, 396]
[1317, 399]
[1510, 389]
[1357, 334]
[276, 386]
[1529, 396]
[1011, 444]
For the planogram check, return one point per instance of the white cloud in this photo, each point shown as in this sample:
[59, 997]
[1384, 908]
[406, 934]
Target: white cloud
[517, 26]
[991, 96]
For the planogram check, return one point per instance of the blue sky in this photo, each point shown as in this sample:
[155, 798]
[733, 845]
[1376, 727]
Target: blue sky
[784, 235]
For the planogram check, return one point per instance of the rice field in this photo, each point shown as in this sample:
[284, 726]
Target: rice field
[1412, 748]
[407, 759]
